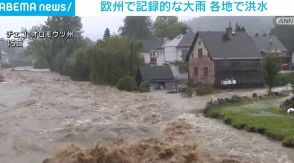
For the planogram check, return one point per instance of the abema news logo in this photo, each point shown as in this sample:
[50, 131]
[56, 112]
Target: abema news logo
[37, 8]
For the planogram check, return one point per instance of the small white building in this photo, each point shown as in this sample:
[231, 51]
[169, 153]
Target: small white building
[152, 52]
[171, 52]
[175, 52]
[177, 48]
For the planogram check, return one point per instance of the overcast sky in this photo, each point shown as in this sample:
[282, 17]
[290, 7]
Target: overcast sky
[93, 27]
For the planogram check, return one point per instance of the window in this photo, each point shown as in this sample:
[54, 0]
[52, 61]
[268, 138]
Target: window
[205, 70]
[199, 42]
[153, 58]
[184, 53]
[195, 71]
[200, 55]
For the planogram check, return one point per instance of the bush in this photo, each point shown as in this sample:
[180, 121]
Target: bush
[79, 65]
[59, 60]
[289, 103]
[268, 121]
[144, 87]
[204, 89]
[271, 68]
[284, 78]
[41, 63]
[108, 64]
[126, 83]
[188, 92]
[288, 141]
[191, 84]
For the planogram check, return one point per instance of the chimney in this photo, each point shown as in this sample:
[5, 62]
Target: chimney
[229, 32]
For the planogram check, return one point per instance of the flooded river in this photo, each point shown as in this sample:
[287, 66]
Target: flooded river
[43, 110]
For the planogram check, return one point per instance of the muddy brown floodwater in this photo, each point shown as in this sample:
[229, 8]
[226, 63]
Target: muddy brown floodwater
[41, 111]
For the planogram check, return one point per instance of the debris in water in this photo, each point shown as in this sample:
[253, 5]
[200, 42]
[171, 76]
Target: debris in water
[145, 150]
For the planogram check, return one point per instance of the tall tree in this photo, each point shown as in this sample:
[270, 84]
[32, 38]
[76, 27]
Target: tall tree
[168, 26]
[108, 64]
[239, 28]
[137, 27]
[56, 50]
[106, 34]
[285, 34]
[271, 69]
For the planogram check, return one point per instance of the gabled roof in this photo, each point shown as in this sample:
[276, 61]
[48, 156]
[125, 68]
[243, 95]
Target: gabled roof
[156, 73]
[153, 44]
[182, 40]
[239, 46]
[174, 42]
[187, 39]
[268, 43]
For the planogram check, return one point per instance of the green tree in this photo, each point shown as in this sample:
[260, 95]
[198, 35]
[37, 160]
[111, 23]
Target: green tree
[285, 34]
[111, 59]
[271, 69]
[126, 83]
[79, 65]
[168, 26]
[137, 27]
[106, 34]
[55, 51]
[239, 28]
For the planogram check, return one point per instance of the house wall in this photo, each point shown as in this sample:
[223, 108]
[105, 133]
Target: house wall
[146, 56]
[168, 85]
[247, 73]
[201, 64]
[292, 57]
[284, 56]
[172, 54]
[177, 74]
[159, 55]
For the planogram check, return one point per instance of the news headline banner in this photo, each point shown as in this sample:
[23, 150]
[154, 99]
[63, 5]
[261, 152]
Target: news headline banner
[147, 8]
[37, 8]
[185, 7]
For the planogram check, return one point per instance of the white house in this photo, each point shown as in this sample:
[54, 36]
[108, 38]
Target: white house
[177, 48]
[152, 52]
[171, 52]
[175, 51]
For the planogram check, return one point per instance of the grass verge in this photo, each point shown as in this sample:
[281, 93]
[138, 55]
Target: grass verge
[271, 121]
